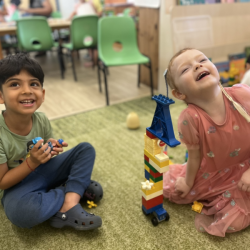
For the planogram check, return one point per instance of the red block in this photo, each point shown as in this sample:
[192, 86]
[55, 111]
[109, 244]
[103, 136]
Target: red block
[146, 158]
[150, 135]
[155, 175]
[153, 202]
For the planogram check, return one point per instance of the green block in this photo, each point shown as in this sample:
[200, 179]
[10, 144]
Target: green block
[160, 178]
[152, 168]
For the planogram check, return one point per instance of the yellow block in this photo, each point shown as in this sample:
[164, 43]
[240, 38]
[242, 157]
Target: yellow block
[151, 145]
[157, 187]
[147, 168]
[153, 151]
[158, 163]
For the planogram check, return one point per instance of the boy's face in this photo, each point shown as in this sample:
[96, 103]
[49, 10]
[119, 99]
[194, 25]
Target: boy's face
[194, 74]
[22, 94]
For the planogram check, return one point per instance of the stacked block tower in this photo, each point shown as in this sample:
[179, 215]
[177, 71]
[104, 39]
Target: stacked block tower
[156, 162]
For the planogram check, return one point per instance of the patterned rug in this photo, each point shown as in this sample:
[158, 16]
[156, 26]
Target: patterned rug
[119, 168]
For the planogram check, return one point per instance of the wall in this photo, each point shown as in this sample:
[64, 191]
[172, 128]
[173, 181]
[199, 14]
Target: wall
[166, 49]
[148, 41]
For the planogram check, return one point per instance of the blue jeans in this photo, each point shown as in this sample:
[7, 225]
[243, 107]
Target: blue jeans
[39, 196]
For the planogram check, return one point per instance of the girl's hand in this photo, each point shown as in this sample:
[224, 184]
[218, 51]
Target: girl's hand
[181, 187]
[244, 183]
[39, 155]
[57, 149]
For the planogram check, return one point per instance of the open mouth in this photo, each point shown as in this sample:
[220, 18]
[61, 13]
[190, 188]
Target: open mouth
[202, 75]
[27, 102]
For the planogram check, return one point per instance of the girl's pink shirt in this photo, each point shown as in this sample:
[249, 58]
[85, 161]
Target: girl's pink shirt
[221, 145]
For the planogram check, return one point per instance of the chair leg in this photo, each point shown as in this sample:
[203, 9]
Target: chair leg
[61, 61]
[106, 84]
[138, 77]
[73, 65]
[151, 79]
[93, 58]
[99, 76]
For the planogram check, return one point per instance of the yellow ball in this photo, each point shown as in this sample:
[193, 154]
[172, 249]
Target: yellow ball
[133, 121]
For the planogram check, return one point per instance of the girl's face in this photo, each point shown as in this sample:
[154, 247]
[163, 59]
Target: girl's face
[194, 74]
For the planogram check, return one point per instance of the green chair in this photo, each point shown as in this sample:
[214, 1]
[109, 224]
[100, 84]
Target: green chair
[119, 30]
[108, 12]
[34, 34]
[126, 12]
[83, 35]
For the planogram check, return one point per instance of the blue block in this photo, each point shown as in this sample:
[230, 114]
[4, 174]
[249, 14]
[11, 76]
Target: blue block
[147, 175]
[151, 210]
[160, 211]
[162, 126]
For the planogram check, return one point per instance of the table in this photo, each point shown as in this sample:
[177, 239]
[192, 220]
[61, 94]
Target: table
[9, 28]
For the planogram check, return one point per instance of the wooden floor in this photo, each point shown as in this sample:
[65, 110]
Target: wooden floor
[65, 97]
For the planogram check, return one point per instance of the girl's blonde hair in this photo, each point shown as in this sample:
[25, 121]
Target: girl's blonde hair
[171, 83]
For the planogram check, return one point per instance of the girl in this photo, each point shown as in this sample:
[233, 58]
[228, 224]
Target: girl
[215, 129]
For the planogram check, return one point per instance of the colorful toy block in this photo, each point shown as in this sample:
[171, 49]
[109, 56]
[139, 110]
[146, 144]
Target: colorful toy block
[147, 174]
[91, 204]
[153, 161]
[153, 195]
[197, 207]
[156, 161]
[157, 186]
[161, 126]
[150, 135]
[152, 202]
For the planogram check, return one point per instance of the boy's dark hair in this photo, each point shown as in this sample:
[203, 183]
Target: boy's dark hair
[12, 65]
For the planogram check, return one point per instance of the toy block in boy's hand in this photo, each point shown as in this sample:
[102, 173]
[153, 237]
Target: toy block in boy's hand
[59, 143]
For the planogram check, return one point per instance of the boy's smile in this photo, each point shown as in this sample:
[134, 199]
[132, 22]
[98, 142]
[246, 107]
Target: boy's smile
[22, 94]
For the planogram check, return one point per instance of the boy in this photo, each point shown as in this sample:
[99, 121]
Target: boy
[32, 183]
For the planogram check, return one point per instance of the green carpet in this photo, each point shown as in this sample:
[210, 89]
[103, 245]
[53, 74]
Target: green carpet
[119, 168]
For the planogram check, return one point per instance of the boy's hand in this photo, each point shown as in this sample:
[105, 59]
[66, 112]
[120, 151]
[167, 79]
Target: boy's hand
[181, 187]
[57, 149]
[244, 183]
[39, 155]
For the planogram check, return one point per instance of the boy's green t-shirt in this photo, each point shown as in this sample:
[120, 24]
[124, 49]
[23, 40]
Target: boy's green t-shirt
[13, 147]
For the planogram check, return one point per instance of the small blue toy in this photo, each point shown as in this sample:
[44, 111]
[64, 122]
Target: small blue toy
[59, 143]
[32, 143]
